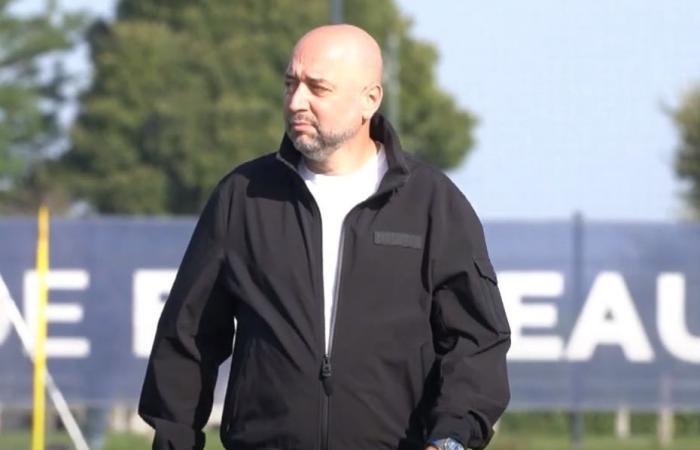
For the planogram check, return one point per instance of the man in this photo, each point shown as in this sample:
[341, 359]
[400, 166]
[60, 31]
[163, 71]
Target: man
[367, 311]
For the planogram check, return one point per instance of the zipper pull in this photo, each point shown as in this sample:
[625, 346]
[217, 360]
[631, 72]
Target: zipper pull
[326, 374]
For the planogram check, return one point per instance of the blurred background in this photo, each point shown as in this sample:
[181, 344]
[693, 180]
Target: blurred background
[572, 127]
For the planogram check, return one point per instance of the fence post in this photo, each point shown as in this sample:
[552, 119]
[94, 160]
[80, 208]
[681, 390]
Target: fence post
[665, 426]
[664, 420]
[120, 418]
[622, 422]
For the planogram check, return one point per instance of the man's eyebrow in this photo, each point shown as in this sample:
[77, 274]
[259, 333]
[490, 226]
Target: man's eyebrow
[318, 80]
[310, 79]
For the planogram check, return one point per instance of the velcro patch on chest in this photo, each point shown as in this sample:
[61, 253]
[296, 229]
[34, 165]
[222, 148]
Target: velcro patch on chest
[398, 239]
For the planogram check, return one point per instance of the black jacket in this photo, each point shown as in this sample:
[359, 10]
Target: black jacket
[419, 338]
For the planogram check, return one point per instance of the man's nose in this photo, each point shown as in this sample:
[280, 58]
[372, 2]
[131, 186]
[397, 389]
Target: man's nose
[297, 98]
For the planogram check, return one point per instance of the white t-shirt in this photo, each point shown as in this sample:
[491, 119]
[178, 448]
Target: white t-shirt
[335, 196]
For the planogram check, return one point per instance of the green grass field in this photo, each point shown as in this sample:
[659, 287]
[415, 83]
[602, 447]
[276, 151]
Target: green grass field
[544, 442]
[504, 441]
[517, 430]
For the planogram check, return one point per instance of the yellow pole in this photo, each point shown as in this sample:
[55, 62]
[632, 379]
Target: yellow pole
[42, 268]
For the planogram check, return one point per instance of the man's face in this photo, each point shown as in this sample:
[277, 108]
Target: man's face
[322, 100]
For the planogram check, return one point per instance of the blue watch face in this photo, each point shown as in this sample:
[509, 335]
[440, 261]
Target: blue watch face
[448, 444]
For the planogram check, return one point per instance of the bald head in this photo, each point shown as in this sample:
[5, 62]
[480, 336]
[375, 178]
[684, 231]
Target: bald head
[333, 88]
[347, 45]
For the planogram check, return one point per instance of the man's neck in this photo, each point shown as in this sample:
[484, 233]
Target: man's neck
[350, 157]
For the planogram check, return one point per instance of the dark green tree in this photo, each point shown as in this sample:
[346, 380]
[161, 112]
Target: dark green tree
[186, 90]
[687, 120]
[30, 98]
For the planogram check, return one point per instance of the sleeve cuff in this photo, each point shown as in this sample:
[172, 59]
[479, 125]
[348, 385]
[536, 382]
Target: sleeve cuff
[447, 426]
[174, 436]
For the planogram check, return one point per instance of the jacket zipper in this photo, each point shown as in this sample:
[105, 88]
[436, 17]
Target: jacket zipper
[326, 368]
[327, 390]
[326, 387]
[325, 371]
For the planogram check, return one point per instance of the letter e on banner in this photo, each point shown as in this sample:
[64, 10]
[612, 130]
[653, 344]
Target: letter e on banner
[515, 286]
[63, 312]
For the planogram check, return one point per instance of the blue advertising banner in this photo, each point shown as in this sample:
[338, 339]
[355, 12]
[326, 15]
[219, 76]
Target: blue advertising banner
[603, 315]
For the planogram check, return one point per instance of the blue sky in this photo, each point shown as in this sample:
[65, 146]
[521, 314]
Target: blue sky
[570, 97]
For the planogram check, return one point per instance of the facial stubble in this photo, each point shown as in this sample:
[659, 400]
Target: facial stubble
[322, 145]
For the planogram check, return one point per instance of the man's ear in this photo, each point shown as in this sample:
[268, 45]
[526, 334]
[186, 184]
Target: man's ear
[371, 99]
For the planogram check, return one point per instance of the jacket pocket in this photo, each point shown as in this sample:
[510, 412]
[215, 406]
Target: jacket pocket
[236, 387]
[486, 270]
[488, 287]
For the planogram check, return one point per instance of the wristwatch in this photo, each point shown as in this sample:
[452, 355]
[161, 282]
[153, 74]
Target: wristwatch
[447, 444]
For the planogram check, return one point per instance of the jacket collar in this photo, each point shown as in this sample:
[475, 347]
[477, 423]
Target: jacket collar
[380, 130]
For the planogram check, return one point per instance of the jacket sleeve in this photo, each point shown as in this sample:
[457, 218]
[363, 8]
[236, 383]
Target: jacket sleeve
[194, 336]
[470, 330]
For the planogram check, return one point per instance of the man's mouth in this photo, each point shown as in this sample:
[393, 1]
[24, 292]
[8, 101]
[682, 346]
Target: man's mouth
[300, 125]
